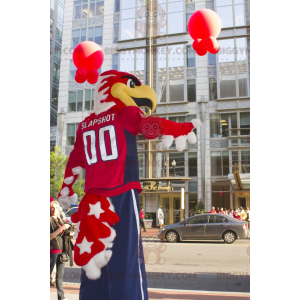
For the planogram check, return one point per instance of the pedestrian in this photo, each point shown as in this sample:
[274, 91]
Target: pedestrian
[237, 215]
[218, 210]
[57, 228]
[160, 215]
[213, 211]
[191, 213]
[248, 217]
[230, 214]
[222, 211]
[142, 216]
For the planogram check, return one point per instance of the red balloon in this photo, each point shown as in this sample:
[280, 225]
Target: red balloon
[211, 43]
[80, 75]
[199, 47]
[215, 50]
[204, 23]
[221, 194]
[88, 55]
[92, 76]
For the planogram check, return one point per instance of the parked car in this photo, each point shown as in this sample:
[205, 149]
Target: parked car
[205, 227]
[70, 212]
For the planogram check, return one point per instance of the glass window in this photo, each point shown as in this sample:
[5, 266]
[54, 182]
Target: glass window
[75, 37]
[98, 35]
[99, 8]
[211, 59]
[233, 119]
[198, 220]
[83, 35]
[190, 56]
[225, 162]
[245, 161]
[224, 11]
[178, 169]
[175, 17]
[91, 34]
[245, 123]
[161, 60]
[116, 32]
[115, 62]
[71, 212]
[89, 99]
[192, 201]
[80, 9]
[216, 163]
[71, 133]
[193, 186]
[92, 8]
[52, 4]
[117, 6]
[235, 160]
[72, 102]
[176, 90]
[60, 11]
[213, 88]
[214, 125]
[191, 90]
[220, 200]
[219, 163]
[72, 71]
[187, 20]
[239, 12]
[192, 161]
[217, 219]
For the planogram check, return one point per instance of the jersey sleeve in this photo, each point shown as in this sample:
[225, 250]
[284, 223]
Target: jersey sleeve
[75, 164]
[134, 121]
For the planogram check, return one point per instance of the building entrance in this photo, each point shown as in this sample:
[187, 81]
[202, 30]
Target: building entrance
[171, 207]
[243, 201]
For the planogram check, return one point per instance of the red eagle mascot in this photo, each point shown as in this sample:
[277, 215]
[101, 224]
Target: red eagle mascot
[108, 241]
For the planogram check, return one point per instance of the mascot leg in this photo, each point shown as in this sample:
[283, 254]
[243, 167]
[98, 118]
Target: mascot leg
[124, 277]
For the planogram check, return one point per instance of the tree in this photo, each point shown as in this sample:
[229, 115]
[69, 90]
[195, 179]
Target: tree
[200, 208]
[58, 162]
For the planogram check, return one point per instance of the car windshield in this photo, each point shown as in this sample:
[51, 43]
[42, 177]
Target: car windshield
[71, 212]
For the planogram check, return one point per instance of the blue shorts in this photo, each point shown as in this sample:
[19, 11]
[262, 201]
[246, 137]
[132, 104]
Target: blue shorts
[124, 277]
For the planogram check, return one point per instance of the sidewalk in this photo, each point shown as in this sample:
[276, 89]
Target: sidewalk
[72, 293]
[150, 232]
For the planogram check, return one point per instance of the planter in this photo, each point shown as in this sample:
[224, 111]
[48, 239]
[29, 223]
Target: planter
[148, 223]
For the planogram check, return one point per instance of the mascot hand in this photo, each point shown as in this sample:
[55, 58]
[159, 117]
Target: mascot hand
[67, 197]
[180, 141]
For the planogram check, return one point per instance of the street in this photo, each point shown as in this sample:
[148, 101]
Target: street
[206, 266]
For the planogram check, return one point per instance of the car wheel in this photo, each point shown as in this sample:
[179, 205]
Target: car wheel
[172, 236]
[229, 237]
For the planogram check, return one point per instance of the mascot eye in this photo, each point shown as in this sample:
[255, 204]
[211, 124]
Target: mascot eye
[130, 83]
[155, 14]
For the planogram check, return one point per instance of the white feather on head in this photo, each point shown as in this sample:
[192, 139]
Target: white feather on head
[102, 95]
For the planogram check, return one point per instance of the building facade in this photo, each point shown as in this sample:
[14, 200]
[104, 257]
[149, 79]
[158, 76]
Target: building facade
[56, 27]
[150, 40]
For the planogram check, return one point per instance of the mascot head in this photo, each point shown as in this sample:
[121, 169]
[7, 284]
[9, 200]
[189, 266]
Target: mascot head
[116, 90]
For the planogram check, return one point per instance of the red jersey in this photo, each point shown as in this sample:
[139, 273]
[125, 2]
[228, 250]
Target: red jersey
[106, 147]
[222, 212]
[142, 215]
[213, 212]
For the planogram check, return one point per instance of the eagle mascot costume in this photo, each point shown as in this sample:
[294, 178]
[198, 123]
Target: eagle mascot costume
[108, 239]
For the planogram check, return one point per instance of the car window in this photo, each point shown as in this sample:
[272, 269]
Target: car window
[198, 220]
[217, 219]
[71, 212]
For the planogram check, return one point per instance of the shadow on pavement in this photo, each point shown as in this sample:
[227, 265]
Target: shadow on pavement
[216, 282]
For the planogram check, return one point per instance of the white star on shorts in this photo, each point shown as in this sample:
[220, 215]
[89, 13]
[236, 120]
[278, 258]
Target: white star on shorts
[95, 209]
[85, 246]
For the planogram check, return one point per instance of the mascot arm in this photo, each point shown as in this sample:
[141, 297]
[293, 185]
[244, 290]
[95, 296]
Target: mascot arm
[74, 167]
[151, 127]
[180, 131]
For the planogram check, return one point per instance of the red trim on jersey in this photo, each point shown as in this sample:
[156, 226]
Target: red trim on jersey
[110, 193]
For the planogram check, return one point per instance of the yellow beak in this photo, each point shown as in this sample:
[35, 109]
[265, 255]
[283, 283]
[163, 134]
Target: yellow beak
[140, 96]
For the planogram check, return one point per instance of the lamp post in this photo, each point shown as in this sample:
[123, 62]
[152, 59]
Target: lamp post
[61, 119]
[174, 164]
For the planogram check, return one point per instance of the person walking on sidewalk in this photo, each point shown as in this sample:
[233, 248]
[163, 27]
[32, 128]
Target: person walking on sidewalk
[160, 215]
[57, 228]
[142, 216]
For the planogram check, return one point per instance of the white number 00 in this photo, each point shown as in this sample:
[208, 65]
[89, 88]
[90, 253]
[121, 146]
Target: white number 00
[103, 151]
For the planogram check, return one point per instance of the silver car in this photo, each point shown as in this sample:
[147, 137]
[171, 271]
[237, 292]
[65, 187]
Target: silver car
[205, 227]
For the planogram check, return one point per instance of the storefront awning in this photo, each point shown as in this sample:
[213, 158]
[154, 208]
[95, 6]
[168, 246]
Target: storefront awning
[239, 181]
